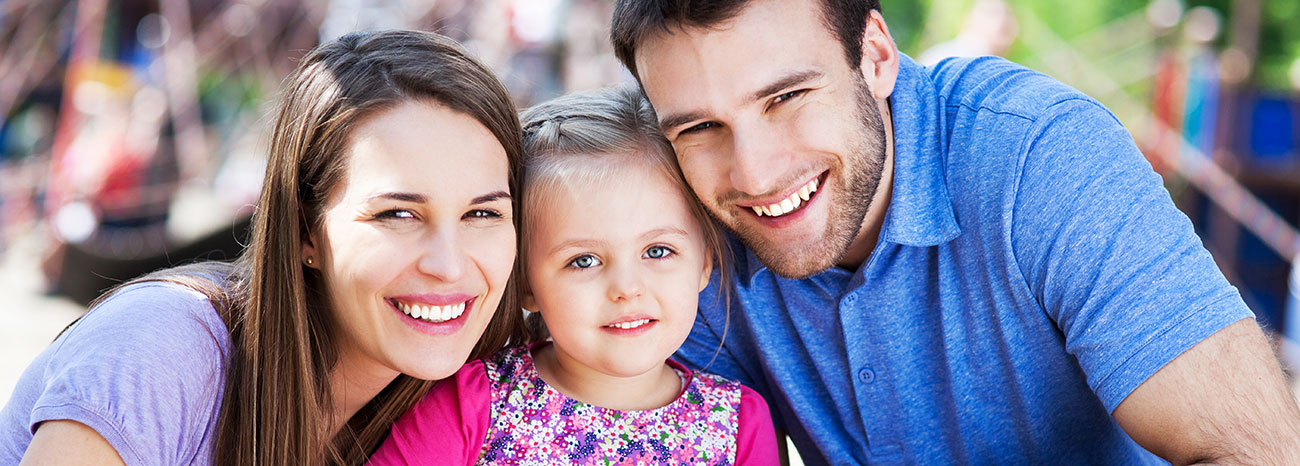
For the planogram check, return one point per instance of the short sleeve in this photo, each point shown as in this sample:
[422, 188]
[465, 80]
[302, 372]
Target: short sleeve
[1107, 254]
[756, 442]
[144, 369]
[446, 427]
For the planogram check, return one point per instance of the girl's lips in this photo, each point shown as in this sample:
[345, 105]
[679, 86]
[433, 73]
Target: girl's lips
[633, 326]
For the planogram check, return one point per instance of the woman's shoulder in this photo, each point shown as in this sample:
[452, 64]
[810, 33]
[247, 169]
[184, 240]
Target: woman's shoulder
[144, 368]
[151, 314]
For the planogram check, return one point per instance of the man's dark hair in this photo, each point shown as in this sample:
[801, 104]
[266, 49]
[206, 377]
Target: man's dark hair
[634, 20]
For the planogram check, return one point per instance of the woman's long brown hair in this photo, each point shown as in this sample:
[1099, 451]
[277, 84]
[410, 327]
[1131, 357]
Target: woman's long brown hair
[276, 404]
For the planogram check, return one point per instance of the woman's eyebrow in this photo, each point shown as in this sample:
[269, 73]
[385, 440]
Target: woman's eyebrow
[489, 197]
[399, 196]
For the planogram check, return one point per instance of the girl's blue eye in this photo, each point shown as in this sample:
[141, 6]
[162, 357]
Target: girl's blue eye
[584, 261]
[658, 252]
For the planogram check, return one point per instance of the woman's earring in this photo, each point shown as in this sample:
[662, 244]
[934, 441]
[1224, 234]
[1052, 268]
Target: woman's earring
[310, 261]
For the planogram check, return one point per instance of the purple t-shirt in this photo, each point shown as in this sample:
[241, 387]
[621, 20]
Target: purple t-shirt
[144, 369]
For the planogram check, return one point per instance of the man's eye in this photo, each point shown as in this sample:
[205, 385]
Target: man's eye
[658, 252]
[584, 261]
[699, 127]
[788, 96]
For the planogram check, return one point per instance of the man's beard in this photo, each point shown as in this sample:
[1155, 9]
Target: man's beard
[851, 198]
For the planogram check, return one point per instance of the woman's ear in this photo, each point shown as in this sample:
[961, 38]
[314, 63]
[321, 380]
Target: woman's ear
[310, 258]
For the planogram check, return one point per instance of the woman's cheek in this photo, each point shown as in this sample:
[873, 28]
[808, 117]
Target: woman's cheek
[494, 251]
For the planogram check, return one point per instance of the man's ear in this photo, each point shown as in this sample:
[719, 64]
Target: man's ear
[879, 63]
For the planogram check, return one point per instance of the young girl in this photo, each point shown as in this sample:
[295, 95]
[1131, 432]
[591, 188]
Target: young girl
[616, 250]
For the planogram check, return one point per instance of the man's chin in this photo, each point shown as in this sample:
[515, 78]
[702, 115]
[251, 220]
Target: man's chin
[794, 263]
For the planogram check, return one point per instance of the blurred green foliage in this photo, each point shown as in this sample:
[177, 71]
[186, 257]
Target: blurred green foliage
[918, 24]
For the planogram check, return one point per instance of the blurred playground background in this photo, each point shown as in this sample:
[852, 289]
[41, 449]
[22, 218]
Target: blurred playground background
[132, 132]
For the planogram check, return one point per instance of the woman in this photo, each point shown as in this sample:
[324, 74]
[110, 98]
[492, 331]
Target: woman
[382, 248]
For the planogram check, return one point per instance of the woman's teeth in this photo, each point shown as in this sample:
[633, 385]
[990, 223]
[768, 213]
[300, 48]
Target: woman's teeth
[788, 204]
[630, 325]
[433, 313]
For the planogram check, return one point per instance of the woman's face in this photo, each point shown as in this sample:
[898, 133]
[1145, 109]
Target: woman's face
[416, 242]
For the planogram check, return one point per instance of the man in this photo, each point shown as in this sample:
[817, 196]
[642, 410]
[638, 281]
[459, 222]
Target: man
[964, 264]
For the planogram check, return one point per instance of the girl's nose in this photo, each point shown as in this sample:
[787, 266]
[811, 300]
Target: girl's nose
[625, 284]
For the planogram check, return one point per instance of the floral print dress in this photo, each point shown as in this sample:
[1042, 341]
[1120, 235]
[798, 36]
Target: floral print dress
[534, 424]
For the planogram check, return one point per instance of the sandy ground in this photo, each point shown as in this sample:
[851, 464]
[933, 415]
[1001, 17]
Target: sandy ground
[29, 320]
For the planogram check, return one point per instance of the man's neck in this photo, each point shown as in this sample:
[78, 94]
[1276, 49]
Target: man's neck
[869, 234]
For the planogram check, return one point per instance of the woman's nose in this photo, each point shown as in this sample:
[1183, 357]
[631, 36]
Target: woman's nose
[442, 255]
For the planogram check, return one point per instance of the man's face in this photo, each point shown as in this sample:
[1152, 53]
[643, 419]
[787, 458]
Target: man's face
[779, 137]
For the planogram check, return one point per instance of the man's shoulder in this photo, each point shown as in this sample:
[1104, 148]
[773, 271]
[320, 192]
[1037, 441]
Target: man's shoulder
[999, 86]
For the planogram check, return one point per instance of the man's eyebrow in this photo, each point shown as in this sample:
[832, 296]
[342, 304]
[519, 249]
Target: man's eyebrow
[489, 197]
[678, 119]
[787, 81]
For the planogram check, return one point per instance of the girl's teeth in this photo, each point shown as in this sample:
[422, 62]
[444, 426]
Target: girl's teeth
[432, 313]
[631, 324]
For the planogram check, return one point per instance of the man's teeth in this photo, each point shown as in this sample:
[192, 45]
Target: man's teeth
[432, 313]
[788, 204]
[630, 325]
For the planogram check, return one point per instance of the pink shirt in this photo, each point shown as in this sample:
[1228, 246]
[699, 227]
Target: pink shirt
[502, 412]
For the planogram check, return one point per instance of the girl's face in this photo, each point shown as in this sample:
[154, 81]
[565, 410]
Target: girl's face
[416, 243]
[615, 267]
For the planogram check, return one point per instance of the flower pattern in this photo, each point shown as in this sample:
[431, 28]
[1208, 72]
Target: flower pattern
[534, 424]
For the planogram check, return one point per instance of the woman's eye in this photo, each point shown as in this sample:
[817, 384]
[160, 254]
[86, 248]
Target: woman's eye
[584, 261]
[658, 252]
[395, 214]
[482, 213]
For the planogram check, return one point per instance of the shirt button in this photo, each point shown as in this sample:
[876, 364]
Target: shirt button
[866, 375]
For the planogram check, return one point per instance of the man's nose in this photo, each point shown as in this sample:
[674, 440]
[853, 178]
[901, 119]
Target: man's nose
[758, 161]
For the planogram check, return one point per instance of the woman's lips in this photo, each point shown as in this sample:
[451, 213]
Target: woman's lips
[440, 315]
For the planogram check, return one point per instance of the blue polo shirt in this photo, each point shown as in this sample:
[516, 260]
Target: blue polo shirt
[1031, 272]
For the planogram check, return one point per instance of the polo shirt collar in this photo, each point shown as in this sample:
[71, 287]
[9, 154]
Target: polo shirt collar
[920, 211]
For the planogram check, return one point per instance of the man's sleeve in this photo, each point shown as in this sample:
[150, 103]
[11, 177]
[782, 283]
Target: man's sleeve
[1108, 256]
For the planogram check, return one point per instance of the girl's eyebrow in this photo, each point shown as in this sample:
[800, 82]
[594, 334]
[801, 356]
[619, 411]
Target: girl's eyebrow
[661, 231]
[575, 244]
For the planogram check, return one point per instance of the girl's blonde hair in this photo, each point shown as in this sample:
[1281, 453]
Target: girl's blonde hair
[585, 137]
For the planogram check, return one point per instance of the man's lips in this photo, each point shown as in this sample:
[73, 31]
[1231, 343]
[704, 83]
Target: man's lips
[790, 202]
